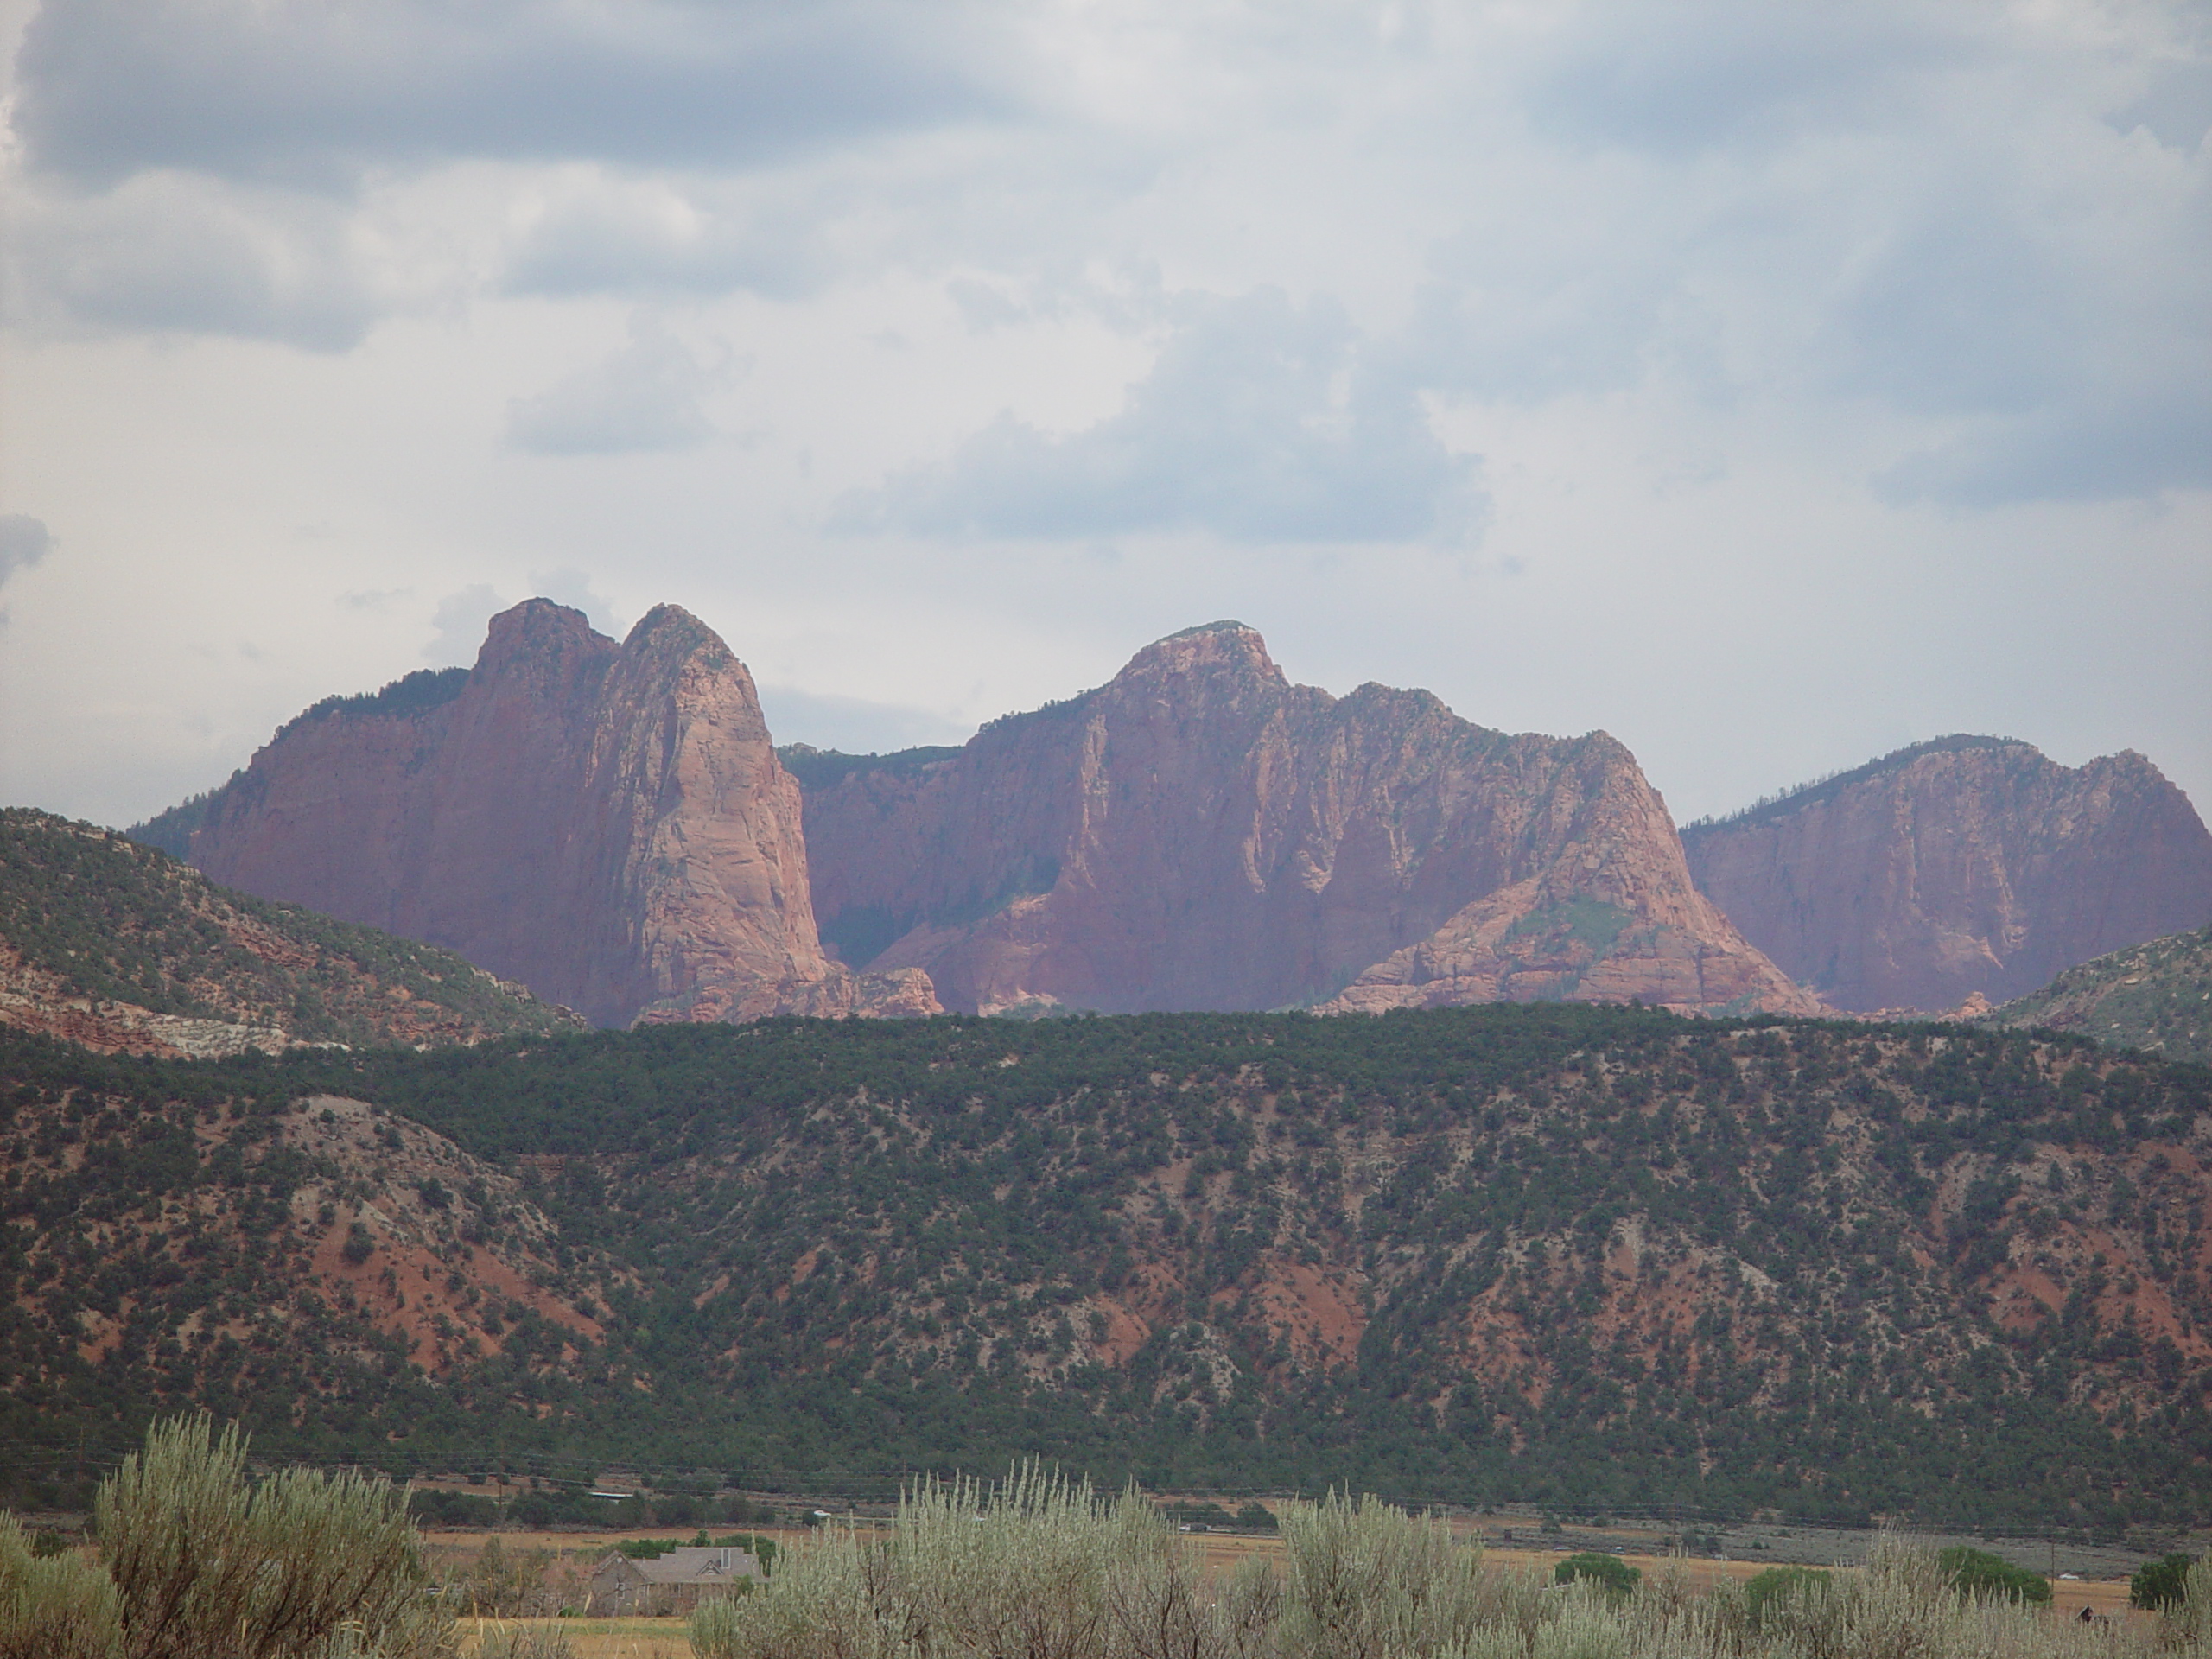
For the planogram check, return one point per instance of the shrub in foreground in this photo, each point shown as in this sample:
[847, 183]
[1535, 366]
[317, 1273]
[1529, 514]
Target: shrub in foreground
[54, 1607]
[1044, 1569]
[196, 1561]
[1778, 1588]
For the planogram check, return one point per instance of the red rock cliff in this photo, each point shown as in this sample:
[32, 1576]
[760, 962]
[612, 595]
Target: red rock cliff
[607, 823]
[1202, 834]
[1966, 865]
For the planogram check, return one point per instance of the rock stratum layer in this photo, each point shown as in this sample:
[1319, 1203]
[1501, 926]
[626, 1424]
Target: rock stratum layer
[1200, 833]
[1961, 866]
[607, 823]
[120, 947]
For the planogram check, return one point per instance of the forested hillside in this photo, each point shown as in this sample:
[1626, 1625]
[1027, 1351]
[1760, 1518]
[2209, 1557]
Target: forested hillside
[2156, 996]
[118, 946]
[1587, 1257]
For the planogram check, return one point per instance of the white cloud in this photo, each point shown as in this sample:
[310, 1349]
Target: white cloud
[602, 232]
[322, 94]
[648, 395]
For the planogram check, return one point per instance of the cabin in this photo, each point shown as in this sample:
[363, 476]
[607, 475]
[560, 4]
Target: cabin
[674, 1583]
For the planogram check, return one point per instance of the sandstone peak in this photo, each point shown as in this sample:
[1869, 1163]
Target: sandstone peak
[536, 631]
[671, 627]
[607, 823]
[1959, 866]
[1199, 833]
[1214, 647]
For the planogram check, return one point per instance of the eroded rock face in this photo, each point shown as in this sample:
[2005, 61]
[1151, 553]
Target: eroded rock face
[607, 823]
[1970, 865]
[1202, 834]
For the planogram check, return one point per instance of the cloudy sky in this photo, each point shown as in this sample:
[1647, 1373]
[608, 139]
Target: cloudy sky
[1771, 386]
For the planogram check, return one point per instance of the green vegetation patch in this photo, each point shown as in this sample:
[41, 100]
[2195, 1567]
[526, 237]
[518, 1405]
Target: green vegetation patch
[1768, 1596]
[2160, 1584]
[824, 768]
[1609, 1573]
[1977, 1575]
[1587, 921]
[825, 1255]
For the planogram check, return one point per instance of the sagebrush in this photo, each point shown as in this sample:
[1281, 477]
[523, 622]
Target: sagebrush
[196, 1560]
[1040, 1567]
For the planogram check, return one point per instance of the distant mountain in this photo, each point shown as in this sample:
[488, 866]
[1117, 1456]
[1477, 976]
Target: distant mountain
[1964, 865]
[607, 823]
[1584, 1256]
[118, 946]
[2156, 996]
[1200, 833]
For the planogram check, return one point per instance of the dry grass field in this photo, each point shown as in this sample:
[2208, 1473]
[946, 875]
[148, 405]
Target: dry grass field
[596, 1638]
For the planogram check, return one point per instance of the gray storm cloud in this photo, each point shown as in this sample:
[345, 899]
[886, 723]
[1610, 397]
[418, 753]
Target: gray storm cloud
[1259, 422]
[457, 626]
[23, 542]
[113, 87]
[1886, 200]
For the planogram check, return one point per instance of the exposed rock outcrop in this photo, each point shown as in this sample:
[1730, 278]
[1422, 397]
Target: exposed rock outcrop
[1964, 865]
[1202, 834]
[607, 823]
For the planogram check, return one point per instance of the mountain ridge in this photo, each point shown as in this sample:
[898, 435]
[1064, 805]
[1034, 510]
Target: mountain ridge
[111, 943]
[1565, 1254]
[612, 823]
[1200, 832]
[1960, 867]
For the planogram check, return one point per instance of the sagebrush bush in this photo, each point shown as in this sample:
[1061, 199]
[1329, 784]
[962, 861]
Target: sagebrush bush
[209, 1566]
[1036, 1566]
[1367, 1581]
[1774, 1593]
[198, 1562]
[2190, 1620]
[1040, 1568]
[54, 1607]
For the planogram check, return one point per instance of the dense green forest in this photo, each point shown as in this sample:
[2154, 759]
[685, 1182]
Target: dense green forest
[1590, 1257]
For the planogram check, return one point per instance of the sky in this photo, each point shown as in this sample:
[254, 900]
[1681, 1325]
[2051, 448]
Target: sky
[1769, 386]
